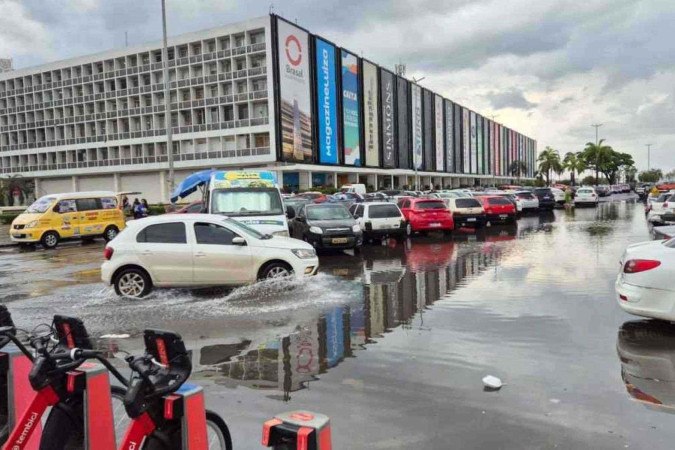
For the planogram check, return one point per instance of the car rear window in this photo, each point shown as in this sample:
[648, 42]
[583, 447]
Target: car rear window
[467, 203]
[163, 233]
[499, 201]
[383, 211]
[542, 191]
[663, 198]
[430, 205]
[584, 191]
[525, 195]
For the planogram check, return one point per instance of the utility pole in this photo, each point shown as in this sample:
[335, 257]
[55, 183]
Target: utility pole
[167, 102]
[649, 156]
[597, 151]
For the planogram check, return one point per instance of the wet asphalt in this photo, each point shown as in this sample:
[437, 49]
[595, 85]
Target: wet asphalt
[392, 343]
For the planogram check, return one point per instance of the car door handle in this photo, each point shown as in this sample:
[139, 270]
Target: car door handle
[146, 252]
[200, 254]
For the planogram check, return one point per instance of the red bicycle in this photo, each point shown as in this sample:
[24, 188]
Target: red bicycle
[165, 412]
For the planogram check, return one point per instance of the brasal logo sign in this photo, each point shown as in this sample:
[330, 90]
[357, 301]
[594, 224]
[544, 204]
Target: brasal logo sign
[293, 50]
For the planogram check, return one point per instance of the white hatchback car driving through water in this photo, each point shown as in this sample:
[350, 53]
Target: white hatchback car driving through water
[199, 250]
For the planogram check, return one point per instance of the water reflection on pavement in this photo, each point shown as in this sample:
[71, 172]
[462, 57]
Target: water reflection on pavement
[392, 343]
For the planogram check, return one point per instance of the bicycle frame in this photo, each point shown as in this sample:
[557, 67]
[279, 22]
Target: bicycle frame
[15, 365]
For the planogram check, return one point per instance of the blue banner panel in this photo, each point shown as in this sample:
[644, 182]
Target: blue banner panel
[326, 91]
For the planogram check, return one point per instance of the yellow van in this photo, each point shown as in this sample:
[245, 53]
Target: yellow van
[77, 215]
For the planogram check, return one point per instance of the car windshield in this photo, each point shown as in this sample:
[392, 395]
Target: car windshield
[247, 202]
[467, 203]
[430, 205]
[327, 213]
[41, 205]
[241, 227]
[383, 211]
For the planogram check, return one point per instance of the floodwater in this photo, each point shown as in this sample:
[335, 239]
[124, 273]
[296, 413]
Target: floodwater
[392, 343]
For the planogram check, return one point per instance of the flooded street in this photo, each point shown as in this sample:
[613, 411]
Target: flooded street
[392, 343]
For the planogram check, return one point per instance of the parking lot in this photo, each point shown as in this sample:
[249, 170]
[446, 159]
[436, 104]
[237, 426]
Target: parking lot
[392, 343]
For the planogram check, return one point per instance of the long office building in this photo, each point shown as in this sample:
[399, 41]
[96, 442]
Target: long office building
[263, 93]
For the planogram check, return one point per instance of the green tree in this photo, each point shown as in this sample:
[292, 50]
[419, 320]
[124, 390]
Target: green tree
[670, 175]
[630, 174]
[613, 163]
[575, 163]
[650, 176]
[549, 160]
[518, 168]
[595, 155]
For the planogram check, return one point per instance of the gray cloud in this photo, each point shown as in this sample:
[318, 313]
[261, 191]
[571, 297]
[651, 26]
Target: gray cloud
[509, 99]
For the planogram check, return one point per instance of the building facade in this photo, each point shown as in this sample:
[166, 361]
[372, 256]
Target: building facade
[262, 93]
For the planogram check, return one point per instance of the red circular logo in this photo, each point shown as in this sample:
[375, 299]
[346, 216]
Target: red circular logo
[294, 55]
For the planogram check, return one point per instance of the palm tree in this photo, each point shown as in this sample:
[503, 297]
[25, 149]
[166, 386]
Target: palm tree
[575, 164]
[517, 168]
[595, 155]
[549, 160]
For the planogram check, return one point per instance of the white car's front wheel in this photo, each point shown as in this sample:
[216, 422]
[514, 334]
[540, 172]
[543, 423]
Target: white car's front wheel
[132, 283]
[275, 270]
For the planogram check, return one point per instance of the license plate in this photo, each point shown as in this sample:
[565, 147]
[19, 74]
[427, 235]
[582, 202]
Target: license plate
[471, 219]
[503, 216]
[435, 225]
[339, 240]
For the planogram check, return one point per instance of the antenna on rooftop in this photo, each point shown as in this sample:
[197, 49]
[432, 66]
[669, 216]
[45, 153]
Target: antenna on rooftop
[400, 69]
[271, 7]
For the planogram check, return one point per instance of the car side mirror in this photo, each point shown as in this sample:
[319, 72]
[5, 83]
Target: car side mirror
[290, 212]
[238, 240]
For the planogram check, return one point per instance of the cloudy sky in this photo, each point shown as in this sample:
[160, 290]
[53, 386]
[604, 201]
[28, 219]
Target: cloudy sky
[548, 68]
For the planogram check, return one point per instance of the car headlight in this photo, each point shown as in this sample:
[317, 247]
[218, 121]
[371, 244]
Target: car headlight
[356, 228]
[32, 224]
[315, 230]
[304, 253]
[281, 233]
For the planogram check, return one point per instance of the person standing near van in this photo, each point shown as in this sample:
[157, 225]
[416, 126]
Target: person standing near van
[135, 208]
[145, 208]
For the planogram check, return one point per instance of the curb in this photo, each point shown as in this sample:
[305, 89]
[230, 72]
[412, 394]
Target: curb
[8, 244]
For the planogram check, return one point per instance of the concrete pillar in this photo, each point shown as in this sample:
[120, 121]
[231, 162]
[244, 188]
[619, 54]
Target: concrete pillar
[335, 180]
[38, 188]
[304, 181]
[309, 178]
[74, 183]
[116, 182]
[163, 187]
[371, 179]
[392, 181]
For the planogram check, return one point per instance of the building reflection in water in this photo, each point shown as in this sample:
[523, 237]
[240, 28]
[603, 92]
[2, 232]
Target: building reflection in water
[399, 281]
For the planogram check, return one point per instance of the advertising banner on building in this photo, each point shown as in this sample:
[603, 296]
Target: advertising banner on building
[486, 147]
[474, 144]
[466, 141]
[458, 150]
[371, 114]
[480, 150]
[326, 94]
[403, 118]
[351, 121]
[388, 118]
[335, 336]
[428, 118]
[417, 137]
[440, 137]
[449, 136]
[294, 93]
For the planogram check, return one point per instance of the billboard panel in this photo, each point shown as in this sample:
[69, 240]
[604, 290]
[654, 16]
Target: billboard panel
[449, 137]
[351, 122]
[388, 119]
[440, 138]
[417, 143]
[428, 116]
[480, 150]
[371, 114]
[486, 146]
[403, 118]
[459, 152]
[326, 93]
[474, 144]
[466, 141]
[295, 117]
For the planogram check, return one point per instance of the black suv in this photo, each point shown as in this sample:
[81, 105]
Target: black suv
[326, 225]
[546, 198]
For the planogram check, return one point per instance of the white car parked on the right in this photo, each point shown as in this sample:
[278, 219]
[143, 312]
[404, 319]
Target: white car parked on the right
[645, 285]
[586, 196]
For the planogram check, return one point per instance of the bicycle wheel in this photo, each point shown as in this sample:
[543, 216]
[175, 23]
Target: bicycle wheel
[217, 432]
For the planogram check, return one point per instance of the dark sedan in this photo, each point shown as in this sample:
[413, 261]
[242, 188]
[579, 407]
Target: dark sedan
[546, 198]
[326, 226]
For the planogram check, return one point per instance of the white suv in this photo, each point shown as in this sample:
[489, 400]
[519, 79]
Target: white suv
[379, 220]
[195, 250]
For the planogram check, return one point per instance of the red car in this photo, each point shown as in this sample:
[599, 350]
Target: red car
[316, 197]
[498, 209]
[426, 214]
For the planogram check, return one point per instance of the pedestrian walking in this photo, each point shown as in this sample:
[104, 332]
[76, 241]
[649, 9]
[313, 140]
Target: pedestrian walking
[135, 208]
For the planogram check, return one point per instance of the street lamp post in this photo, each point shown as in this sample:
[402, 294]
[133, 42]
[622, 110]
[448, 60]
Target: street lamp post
[649, 156]
[167, 102]
[597, 151]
